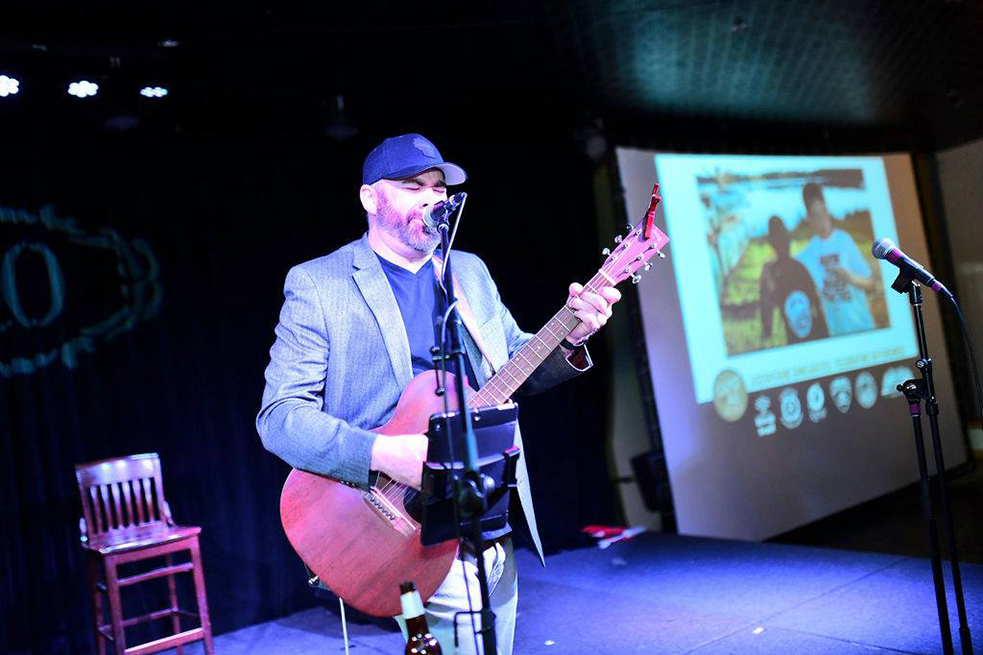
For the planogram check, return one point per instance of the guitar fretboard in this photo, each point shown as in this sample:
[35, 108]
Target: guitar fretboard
[534, 352]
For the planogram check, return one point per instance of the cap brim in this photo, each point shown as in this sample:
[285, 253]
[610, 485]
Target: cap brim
[453, 174]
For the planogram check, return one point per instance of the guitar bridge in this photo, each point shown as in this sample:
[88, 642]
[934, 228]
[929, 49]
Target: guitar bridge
[385, 509]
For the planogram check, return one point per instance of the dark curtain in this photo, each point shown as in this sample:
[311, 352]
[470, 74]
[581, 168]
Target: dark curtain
[143, 279]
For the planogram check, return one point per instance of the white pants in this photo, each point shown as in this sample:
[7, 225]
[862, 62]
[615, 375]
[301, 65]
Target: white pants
[452, 597]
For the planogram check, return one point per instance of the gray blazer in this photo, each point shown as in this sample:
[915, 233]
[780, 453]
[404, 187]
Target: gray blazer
[341, 358]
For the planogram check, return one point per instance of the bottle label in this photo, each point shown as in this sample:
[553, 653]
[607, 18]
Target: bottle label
[412, 605]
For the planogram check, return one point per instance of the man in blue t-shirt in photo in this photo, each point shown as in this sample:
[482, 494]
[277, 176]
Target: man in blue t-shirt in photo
[842, 275]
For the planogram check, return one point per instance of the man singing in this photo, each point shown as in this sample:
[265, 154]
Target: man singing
[356, 325]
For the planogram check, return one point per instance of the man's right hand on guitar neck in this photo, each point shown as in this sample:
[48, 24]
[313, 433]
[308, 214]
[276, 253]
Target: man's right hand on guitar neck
[401, 457]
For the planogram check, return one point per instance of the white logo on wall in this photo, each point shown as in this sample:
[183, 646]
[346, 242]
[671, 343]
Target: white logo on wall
[791, 407]
[841, 391]
[866, 390]
[816, 402]
[765, 420]
[892, 378]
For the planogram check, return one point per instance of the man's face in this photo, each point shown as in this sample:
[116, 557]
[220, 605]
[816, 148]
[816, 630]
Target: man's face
[819, 218]
[399, 211]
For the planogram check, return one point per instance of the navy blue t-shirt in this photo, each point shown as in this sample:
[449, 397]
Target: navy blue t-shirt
[422, 306]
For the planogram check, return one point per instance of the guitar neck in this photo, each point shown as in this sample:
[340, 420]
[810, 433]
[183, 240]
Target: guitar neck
[534, 352]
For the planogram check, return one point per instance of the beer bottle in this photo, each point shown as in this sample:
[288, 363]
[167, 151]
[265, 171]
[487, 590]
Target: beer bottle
[420, 641]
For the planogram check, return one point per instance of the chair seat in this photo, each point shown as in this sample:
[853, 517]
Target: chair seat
[115, 544]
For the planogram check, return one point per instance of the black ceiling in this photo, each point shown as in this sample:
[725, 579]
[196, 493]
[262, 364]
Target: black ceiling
[906, 70]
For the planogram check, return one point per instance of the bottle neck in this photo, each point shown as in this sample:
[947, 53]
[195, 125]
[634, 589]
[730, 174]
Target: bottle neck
[417, 626]
[412, 605]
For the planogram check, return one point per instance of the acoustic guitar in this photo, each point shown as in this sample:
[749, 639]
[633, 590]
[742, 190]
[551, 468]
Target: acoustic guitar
[363, 544]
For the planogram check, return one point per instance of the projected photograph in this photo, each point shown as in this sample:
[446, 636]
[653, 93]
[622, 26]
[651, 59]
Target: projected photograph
[775, 280]
[789, 252]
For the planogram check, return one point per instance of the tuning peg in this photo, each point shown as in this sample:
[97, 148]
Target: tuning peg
[617, 239]
[635, 279]
[662, 255]
[606, 252]
[629, 226]
[648, 266]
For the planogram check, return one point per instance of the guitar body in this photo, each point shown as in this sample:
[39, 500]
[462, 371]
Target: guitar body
[361, 544]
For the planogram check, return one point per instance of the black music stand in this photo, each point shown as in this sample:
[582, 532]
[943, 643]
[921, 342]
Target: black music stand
[494, 429]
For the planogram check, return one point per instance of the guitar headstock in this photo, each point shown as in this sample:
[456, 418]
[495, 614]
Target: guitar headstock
[634, 249]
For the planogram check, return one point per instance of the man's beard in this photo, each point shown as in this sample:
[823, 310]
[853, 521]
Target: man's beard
[423, 240]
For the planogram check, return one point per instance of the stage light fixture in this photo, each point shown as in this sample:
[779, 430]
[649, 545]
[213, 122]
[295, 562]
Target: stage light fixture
[153, 92]
[8, 86]
[83, 89]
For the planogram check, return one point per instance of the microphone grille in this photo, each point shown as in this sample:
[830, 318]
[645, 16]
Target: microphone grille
[881, 248]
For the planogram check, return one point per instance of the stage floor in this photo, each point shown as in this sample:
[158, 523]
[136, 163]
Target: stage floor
[670, 594]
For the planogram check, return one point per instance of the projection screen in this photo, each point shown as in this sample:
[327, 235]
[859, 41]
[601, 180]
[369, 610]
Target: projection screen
[775, 341]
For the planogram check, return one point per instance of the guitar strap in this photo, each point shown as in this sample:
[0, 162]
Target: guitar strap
[467, 317]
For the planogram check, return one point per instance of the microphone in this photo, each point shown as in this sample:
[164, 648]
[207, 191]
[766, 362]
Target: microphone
[885, 249]
[439, 213]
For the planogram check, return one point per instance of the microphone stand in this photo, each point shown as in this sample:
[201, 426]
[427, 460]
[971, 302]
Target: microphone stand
[917, 391]
[470, 492]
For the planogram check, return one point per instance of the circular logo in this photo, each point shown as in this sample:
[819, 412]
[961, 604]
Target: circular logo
[815, 398]
[842, 393]
[791, 407]
[729, 396]
[865, 389]
[816, 402]
[798, 311]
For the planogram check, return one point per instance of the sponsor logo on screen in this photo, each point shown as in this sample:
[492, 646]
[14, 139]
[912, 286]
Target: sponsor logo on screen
[729, 396]
[816, 402]
[841, 391]
[893, 377]
[866, 390]
[765, 421]
[791, 407]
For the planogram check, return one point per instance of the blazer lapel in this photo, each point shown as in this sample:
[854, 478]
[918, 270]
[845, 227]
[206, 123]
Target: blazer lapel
[481, 364]
[378, 295]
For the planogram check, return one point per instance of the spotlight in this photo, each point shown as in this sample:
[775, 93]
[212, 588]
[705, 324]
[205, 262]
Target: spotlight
[83, 89]
[153, 92]
[8, 86]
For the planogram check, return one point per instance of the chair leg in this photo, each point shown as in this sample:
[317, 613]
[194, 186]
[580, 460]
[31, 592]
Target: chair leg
[115, 607]
[202, 597]
[172, 594]
[93, 570]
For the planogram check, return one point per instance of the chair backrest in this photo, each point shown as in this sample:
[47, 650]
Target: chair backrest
[121, 497]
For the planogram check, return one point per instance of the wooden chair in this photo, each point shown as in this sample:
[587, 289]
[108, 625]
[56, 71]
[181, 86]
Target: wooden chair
[126, 519]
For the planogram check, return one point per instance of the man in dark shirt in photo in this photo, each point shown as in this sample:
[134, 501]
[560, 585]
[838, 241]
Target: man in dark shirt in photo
[787, 285]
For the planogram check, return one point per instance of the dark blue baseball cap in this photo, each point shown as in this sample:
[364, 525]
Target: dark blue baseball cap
[404, 156]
